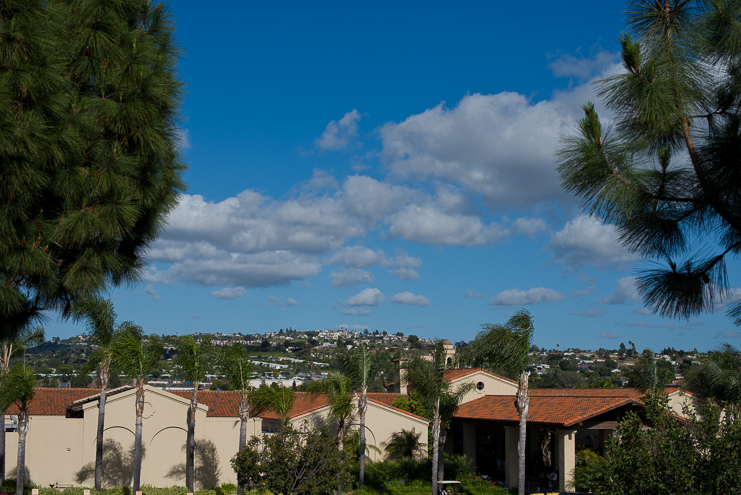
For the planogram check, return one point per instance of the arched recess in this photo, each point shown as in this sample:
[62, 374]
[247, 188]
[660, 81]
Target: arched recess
[166, 457]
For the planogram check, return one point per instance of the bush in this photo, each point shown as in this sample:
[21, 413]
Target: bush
[588, 471]
[305, 461]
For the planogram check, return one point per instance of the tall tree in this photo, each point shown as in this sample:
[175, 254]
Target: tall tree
[89, 110]
[101, 318]
[649, 373]
[18, 388]
[194, 360]
[234, 363]
[504, 350]
[360, 365]
[427, 379]
[666, 174]
[336, 387]
[9, 348]
[137, 355]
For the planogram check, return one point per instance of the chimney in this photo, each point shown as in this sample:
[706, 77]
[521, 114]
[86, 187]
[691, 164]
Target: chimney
[400, 375]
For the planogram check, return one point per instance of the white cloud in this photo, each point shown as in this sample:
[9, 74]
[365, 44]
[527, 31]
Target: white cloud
[645, 324]
[152, 293]
[411, 299]
[470, 294]
[356, 311]
[358, 256]
[580, 67]
[349, 277]
[586, 241]
[626, 292]
[196, 315]
[281, 302]
[342, 134]
[642, 311]
[498, 146]
[427, 224]
[405, 273]
[517, 297]
[229, 293]
[366, 297]
[590, 313]
[730, 334]
[529, 227]
[609, 335]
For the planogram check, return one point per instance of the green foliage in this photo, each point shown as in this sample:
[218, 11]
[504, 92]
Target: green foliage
[299, 461]
[234, 363]
[336, 387]
[411, 403]
[226, 489]
[501, 348]
[649, 373]
[17, 387]
[279, 399]
[666, 174]
[718, 377]
[404, 443]
[89, 102]
[695, 457]
[135, 354]
[588, 472]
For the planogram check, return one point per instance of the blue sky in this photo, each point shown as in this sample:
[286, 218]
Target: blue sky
[389, 165]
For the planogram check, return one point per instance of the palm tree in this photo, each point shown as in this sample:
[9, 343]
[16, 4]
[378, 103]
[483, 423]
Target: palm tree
[100, 317]
[404, 443]
[275, 398]
[9, 347]
[336, 387]
[136, 357]
[360, 365]
[503, 349]
[718, 377]
[234, 363]
[194, 360]
[17, 388]
[427, 379]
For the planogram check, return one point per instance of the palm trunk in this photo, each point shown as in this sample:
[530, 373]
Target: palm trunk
[340, 447]
[190, 456]
[441, 454]
[21, 464]
[2, 449]
[244, 415]
[138, 435]
[523, 405]
[435, 446]
[362, 407]
[99, 441]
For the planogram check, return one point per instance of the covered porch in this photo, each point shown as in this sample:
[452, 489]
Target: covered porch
[560, 423]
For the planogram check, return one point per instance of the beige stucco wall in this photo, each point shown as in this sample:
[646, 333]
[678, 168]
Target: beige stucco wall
[493, 385]
[61, 450]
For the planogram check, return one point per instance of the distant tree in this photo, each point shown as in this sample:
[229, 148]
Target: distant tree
[136, 357]
[404, 443]
[649, 373]
[18, 388]
[568, 365]
[412, 339]
[622, 350]
[504, 350]
[718, 376]
[337, 389]
[279, 399]
[194, 360]
[360, 365]
[23, 340]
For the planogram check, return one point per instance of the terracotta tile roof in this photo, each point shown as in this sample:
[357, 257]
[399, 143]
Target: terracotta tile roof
[79, 403]
[53, 401]
[565, 410]
[458, 373]
[632, 393]
[220, 403]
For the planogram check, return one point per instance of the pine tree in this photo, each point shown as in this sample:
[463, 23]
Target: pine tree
[89, 101]
[667, 174]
